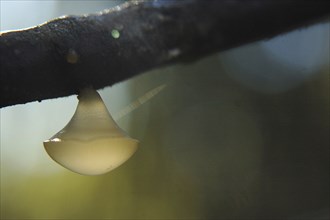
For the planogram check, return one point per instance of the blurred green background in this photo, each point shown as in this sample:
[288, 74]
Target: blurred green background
[243, 134]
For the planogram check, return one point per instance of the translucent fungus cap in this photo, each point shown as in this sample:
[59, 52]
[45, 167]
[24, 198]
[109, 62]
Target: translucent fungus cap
[91, 143]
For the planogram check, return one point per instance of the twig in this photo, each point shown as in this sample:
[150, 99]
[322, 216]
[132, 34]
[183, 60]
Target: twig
[61, 56]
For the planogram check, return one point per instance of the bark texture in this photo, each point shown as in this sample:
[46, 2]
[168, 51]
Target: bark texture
[60, 57]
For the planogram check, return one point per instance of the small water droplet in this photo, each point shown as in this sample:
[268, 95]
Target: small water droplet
[115, 33]
[72, 56]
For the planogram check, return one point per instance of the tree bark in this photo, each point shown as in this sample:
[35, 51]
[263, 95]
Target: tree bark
[60, 57]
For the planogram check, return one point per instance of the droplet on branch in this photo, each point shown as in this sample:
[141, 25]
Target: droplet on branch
[91, 143]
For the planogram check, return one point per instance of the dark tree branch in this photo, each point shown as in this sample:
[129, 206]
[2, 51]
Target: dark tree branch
[58, 58]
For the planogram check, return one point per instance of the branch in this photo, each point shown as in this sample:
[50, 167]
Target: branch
[61, 56]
